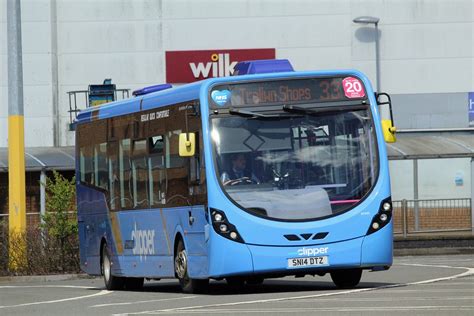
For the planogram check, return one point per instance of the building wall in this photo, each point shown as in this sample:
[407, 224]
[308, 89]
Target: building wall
[430, 110]
[426, 47]
[38, 68]
[426, 51]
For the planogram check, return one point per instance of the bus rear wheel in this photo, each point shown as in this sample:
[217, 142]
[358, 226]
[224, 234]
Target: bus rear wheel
[111, 282]
[188, 285]
[347, 278]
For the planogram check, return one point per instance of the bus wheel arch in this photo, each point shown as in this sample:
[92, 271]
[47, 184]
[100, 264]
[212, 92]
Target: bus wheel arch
[188, 285]
[111, 282]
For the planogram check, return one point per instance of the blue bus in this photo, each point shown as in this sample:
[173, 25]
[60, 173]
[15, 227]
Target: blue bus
[264, 174]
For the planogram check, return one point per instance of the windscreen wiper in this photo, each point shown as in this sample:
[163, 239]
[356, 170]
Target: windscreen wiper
[323, 109]
[251, 114]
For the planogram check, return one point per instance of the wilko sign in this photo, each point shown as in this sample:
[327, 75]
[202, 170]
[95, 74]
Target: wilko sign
[189, 66]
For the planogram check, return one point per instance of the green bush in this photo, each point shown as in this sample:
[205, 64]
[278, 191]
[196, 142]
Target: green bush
[60, 222]
[53, 247]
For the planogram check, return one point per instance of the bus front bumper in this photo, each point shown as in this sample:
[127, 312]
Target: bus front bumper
[370, 252]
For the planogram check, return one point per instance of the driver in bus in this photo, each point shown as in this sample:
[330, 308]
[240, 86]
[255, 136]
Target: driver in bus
[238, 173]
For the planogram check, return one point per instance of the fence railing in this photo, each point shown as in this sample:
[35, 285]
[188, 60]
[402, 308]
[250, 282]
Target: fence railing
[33, 219]
[409, 216]
[433, 215]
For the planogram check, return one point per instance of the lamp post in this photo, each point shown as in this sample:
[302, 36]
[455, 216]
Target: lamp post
[375, 21]
[16, 140]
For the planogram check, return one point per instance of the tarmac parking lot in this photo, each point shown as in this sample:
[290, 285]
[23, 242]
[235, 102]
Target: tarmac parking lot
[422, 285]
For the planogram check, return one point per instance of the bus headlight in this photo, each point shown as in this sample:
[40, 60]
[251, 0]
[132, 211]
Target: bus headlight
[383, 216]
[218, 217]
[223, 227]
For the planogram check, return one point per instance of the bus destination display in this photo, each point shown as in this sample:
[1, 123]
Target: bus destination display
[285, 91]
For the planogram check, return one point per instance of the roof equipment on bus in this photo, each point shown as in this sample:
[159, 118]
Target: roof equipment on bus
[262, 66]
[151, 89]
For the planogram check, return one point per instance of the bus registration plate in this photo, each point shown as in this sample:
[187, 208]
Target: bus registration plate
[308, 262]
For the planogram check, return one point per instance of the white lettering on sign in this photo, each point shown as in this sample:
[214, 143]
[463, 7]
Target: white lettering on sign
[353, 88]
[220, 65]
[155, 115]
[312, 251]
[144, 242]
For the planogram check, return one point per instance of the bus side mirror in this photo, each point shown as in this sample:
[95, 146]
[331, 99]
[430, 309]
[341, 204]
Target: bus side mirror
[187, 144]
[388, 127]
[389, 131]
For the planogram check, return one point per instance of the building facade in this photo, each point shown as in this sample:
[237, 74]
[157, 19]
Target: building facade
[426, 58]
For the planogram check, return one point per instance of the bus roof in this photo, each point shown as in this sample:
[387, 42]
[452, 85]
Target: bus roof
[190, 92]
[157, 99]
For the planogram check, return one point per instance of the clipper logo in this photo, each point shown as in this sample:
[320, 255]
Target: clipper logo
[312, 251]
[144, 242]
[220, 65]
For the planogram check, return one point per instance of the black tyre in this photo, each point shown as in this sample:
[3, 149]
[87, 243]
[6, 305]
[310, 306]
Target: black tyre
[188, 285]
[111, 282]
[134, 284]
[235, 282]
[347, 278]
[255, 280]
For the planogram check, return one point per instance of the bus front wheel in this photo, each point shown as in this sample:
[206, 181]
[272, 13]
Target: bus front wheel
[111, 282]
[188, 285]
[347, 278]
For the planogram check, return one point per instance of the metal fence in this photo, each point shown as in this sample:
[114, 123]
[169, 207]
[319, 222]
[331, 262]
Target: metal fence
[409, 216]
[33, 219]
[431, 216]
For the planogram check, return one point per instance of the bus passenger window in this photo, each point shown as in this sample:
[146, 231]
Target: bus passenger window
[114, 197]
[173, 160]
[100, 166]
[82, 165]
[87, 165]
[156, 170]
[140, 174]
[177, 190]
[125, 175]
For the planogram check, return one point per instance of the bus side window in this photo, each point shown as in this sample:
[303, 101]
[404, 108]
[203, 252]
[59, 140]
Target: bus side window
[140, 174]
[125, 174]
[112, 155]
[87, 165]
[197, 174]
[195, 163]
[100, 166]
[82, 164]
[156, 170]
[177, 191]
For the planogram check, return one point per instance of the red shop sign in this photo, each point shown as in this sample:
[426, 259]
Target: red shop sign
[189, 66]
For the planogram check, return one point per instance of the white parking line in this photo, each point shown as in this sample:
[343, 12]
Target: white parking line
[103, 292]
[386, 299]
[48, 286]
[149, 301]
[470, 271]
[330, 309]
